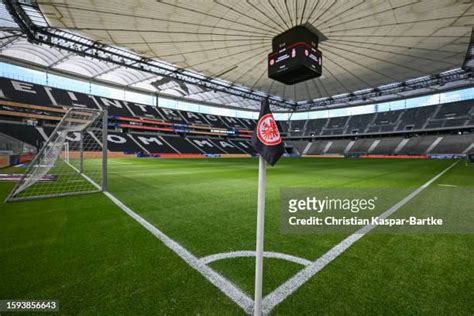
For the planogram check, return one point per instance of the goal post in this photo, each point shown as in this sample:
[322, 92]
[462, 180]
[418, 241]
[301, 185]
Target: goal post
[72, 161]
[470, 157]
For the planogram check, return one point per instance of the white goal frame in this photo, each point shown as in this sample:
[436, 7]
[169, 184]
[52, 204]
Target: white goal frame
[56, 150]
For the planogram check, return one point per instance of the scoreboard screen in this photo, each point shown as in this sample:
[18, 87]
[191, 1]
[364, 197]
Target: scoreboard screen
[295, 63]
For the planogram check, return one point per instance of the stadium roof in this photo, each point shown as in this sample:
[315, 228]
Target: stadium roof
[223, 47]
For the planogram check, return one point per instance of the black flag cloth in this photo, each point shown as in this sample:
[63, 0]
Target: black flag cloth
[266, 138]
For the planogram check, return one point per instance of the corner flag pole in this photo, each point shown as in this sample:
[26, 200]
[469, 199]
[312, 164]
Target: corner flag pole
[268, 143]
[262, 171]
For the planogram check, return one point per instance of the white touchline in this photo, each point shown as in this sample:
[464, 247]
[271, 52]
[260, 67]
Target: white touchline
[228, 288]
[292, 284]
[283, 291]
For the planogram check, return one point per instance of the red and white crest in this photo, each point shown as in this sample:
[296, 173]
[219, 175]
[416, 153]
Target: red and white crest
[267, 130]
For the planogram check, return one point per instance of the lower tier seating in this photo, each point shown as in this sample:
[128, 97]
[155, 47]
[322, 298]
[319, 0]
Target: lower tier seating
[25, 133]
[149, 143]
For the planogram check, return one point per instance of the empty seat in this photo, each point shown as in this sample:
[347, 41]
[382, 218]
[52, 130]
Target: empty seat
[25, 133]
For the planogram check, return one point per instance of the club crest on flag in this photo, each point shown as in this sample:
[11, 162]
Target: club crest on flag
[266, 138]
[267, 130]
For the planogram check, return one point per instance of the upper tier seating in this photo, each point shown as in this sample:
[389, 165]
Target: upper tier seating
[449, 115]
[297, 128]
[453, 122]
[335, 126]
[384, 122]
[358, 123]
[415, 119]
[455, 109]
[131, 117]
[434, 124]
[38, 95]
[315, 127]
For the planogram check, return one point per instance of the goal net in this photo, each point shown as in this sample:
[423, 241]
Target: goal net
[470, 157]
[72, 161]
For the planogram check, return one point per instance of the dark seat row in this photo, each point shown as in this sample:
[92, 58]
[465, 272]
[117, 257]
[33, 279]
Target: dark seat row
[449, 115]
[132, 142]
[419, 145]
[34, 94]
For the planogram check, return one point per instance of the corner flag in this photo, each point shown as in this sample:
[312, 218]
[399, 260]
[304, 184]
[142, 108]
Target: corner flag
[266, 138]
[268, 143]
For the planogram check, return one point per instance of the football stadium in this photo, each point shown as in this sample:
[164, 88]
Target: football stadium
[237, 157]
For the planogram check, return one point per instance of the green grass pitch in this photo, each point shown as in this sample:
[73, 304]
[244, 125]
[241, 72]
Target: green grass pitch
[92, 257]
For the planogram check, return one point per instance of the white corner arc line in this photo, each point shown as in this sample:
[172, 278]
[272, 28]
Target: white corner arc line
[225, 286]
[250, 253]
[291, 285]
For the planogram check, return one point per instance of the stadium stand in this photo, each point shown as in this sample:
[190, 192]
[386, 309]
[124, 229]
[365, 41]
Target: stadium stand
[194, 118]
[233, 122]
[181, 145]
[454, 144]
[455, 109]
[137, 128]
[297, 128]
[228, 147]
[338, 146]
[25, 133]
[214, 120]
[283, 127]
[170, 115]
[391, 121]
[151, 143]
[140, 110]
[361, 146]
[335, 126]
[418, 145]
[117, 141]
[415, 119]
[317, 147]
[358, 124]
[245, 146]
[206, 145]
[301, 146]
[384, 122]
[387, 146]
[315, 127]
[120, 142]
